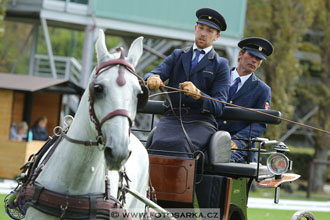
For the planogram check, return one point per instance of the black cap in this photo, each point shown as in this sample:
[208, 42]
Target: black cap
[258, 47]
[211, 18]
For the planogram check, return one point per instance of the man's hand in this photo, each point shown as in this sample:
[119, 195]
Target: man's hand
[154, 82]
[191, 89]
[234, 145]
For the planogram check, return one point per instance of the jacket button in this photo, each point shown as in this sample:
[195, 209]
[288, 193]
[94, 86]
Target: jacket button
[225, 122]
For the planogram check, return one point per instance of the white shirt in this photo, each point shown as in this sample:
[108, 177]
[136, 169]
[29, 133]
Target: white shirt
[234, 75]
[206, 50]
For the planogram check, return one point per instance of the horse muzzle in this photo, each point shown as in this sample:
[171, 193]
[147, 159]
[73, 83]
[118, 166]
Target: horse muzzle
[116, 153]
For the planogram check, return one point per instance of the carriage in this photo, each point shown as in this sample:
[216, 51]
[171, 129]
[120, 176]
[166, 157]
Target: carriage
[202, 182]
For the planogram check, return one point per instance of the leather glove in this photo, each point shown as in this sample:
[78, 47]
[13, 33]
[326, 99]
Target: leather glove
[234, 145]
[191, 88]
[154, 82]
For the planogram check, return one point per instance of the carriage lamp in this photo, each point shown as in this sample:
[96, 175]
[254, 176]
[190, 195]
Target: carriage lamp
[277, 164]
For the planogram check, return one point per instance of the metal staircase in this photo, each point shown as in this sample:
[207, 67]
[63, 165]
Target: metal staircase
[66, 67]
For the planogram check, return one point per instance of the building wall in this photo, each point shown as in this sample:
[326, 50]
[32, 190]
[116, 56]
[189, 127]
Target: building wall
[14, 154]
[6, 100]
[172, 13]
[18, 106]
[12, 157]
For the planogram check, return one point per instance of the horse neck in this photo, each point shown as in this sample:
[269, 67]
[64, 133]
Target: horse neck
[74, 168]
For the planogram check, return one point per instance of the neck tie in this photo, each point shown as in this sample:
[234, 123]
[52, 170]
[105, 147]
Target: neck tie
[233, 88]
[195, 60]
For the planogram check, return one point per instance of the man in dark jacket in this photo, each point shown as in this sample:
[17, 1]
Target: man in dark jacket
[200, 71]
[39, 130]
[248, 91]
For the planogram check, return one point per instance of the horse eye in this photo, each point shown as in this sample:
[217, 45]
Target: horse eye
[98, 88]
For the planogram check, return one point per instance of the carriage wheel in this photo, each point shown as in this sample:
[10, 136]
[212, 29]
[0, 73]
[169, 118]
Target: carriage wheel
[303, 214]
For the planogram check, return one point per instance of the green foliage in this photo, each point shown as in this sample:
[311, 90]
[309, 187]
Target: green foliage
[12, 45]
[69, 43]
[322, 92]
[301, 163]
[3, 4]
[152, 66]
[283, 23]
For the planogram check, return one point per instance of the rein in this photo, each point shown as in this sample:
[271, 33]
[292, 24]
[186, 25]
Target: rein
[249, 109]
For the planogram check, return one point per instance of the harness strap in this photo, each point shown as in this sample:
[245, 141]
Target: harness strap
[76, 206]
[37, 192]
[86, 143]
[38, 170]
[93, 207]
[120, 112]
[32, 165]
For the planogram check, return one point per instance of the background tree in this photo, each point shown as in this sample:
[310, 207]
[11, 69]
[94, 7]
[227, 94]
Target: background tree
[284, 23]
[315, 89]
[2, 16]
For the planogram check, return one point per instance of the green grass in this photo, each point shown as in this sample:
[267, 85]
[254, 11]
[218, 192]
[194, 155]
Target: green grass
[271, 214]
[3, 214]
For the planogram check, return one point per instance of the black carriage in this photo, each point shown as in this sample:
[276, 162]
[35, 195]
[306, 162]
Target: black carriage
[201, 181]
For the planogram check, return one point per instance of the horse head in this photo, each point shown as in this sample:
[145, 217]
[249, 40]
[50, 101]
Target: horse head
[114, 93]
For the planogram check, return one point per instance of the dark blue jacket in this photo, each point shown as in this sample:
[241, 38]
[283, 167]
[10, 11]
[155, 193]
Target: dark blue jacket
[253, 94]
[211, 76]
[39, 133]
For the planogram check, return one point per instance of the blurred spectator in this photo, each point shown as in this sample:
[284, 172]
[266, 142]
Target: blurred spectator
[39, 131]
[18, 132]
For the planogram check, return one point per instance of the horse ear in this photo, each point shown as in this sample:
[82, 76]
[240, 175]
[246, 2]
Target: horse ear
[135, 51]
[101, 48]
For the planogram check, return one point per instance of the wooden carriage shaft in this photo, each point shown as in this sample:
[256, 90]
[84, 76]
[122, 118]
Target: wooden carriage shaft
[249, 109]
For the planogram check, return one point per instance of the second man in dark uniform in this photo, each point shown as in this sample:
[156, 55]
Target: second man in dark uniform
[249, 91]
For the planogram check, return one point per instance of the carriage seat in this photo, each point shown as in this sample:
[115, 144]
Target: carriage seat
[238, 170]
[218, 157]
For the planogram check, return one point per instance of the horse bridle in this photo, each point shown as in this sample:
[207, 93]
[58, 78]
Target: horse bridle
[118, 112]
[120, 81]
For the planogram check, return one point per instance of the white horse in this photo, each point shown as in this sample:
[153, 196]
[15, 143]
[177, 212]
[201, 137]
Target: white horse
[75, 169]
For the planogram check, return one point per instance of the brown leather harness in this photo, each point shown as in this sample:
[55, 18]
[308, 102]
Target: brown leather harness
[90, 206]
